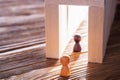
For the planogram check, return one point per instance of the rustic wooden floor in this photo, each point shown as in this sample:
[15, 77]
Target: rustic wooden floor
[22, 36]
[27, 66]
[21, 24]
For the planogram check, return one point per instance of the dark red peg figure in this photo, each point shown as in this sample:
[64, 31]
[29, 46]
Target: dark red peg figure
[77, 47]
[65, 71]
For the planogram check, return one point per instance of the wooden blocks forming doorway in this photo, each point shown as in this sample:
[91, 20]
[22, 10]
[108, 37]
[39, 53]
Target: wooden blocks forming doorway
[57, 26]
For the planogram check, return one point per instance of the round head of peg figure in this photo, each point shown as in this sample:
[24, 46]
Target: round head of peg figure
[65, 60]
[77, 38]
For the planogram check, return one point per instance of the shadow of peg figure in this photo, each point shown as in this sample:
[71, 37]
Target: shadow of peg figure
[77, 47]
[65, 71]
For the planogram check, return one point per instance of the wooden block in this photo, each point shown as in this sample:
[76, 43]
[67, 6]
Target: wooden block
[95, 32]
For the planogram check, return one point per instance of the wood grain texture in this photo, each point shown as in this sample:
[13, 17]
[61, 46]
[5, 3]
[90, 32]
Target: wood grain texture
[80, 68]
[95, 32]
[52, 29]
[21, 24]
[48, 69]
[96, 3]
[99, 29]
[17, 61]
[22, 36]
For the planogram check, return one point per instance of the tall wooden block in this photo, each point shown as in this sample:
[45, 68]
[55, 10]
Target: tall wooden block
[55, 28]
[95, 32]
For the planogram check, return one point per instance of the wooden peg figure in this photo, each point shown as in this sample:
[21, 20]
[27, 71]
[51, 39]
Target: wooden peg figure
[77, 47]
[65, 71]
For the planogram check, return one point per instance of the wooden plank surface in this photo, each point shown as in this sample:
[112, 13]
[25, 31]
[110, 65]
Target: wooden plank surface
[47, 69]
[21, 24]
[22, 36]
[80, 68]
[19, 61]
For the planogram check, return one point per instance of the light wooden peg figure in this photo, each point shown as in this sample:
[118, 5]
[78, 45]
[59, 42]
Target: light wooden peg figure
[65, 71]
